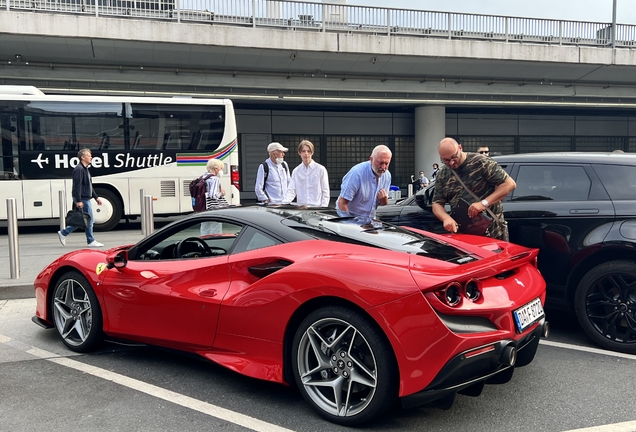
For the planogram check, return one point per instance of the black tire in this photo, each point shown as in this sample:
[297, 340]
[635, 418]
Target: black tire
[605, 305]
[108, 215]
[354, 353]
[76, 313]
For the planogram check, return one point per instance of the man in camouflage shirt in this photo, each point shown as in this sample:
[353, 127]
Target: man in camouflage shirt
[482, 175]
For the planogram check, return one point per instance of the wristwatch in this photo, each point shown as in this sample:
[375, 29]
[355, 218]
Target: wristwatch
[484, 203]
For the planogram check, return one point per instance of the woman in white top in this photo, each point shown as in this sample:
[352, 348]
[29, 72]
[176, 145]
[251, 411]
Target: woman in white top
[215, 195]
[309, 180]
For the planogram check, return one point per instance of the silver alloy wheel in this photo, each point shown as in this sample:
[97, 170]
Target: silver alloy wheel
[72, 312]
[337, 367]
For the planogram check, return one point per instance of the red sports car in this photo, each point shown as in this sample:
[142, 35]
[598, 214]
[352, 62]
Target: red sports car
[357, 314]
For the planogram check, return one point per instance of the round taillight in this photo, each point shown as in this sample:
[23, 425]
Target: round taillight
[453, 294]
[473, 290]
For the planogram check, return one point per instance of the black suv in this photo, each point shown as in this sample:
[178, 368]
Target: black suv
[579, 210]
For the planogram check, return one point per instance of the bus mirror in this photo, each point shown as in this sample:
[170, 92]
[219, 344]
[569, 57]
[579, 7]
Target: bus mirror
[117, 259]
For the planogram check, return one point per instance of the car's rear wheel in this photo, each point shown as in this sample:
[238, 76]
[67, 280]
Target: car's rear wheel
[605, 304]
[344, 366]
[76, 312]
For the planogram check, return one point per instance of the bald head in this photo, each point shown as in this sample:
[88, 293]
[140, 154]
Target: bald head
[450, 152]
[447, 145]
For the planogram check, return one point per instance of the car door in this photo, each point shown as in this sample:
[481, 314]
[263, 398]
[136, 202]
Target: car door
[560, 209]
[168, 296]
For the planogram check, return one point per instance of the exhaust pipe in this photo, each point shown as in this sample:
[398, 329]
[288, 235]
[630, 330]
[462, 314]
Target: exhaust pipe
[508, 356]
[546, 330]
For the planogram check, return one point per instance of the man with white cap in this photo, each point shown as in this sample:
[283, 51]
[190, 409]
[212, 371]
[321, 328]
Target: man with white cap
[272, 179]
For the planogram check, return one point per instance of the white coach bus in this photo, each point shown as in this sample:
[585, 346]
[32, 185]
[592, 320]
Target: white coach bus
[155, 144]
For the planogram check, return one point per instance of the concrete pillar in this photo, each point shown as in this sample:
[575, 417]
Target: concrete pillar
[430, 129]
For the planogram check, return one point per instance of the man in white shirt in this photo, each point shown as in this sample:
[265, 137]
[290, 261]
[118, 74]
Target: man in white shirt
[272, 179]
[309, 180]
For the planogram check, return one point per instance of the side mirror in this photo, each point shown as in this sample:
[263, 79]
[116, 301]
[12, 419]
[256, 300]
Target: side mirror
[117, 259]
[424, 198]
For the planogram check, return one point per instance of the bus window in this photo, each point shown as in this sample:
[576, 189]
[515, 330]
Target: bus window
[69, 126]
[9, 163]
[174, 127]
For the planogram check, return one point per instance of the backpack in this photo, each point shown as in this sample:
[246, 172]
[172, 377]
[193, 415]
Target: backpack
[198, 190]
[266, 172]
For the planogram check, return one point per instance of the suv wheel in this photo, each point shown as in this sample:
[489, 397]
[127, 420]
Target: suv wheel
[605, 304]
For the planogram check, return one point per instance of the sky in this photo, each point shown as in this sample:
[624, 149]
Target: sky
[574, 10]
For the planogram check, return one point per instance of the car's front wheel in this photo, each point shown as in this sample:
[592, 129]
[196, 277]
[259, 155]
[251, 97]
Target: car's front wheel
[76, 312]
[344, 366]
[605, 304]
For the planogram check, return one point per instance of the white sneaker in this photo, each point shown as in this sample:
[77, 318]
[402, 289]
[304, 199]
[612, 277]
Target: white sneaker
[95, 243]
[62, 238]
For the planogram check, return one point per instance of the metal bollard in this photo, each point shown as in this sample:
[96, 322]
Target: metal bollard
[62, 197]
[410, 190]
[142, 213]
[12, 231]
[149, 215]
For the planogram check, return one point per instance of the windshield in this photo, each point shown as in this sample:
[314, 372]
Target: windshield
[365, 231]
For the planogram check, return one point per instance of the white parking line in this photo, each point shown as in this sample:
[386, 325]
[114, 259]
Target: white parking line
[587, 349]
[161, 393]
[616, 427]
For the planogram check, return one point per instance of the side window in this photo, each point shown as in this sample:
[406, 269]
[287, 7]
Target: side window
[551, 182]
[253, 239]
[193, 240]
[619, 181]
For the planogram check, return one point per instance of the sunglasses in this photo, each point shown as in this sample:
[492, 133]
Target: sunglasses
[484, 152]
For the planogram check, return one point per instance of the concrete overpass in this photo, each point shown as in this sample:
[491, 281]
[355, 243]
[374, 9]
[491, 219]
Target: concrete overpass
[285, 52]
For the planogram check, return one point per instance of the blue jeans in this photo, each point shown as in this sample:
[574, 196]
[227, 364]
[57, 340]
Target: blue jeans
[89, 229]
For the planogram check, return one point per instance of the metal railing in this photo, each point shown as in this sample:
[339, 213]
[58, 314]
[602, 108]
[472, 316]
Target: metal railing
[330, 17]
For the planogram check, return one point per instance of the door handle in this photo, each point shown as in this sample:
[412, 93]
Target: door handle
[208, 293]
[263, 270]
[584, 211]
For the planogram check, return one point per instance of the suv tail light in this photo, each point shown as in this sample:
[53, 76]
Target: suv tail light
[235, 176]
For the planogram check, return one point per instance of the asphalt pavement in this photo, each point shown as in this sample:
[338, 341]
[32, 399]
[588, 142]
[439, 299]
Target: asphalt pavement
[39, 246]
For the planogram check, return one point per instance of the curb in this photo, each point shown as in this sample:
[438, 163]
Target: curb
[17, 291]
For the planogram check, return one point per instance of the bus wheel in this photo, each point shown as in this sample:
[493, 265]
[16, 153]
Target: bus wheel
[107, 215]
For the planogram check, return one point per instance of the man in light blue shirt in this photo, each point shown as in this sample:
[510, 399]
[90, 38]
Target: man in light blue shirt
[365, 186]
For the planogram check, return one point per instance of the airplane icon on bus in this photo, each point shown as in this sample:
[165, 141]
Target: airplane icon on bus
[39, 160]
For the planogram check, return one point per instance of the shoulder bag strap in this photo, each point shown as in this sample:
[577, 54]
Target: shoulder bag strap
[494, 217]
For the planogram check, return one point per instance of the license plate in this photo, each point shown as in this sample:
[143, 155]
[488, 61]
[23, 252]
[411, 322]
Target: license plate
[528, 314]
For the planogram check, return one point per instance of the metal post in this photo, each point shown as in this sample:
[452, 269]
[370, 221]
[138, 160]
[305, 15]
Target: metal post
[507, 28]
[149, 221]
[253, 13]
[12, 231]
[388, 22]
[410, 189]
[62, 206]
[142, 213]
[614, 25]
[178, 5]
[96, 8]
[324, 18]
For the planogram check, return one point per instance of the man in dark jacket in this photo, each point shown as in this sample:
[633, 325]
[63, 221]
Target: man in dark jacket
[82, 193]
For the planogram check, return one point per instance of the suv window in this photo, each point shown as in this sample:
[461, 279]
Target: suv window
[619, 181]
[554, 182]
